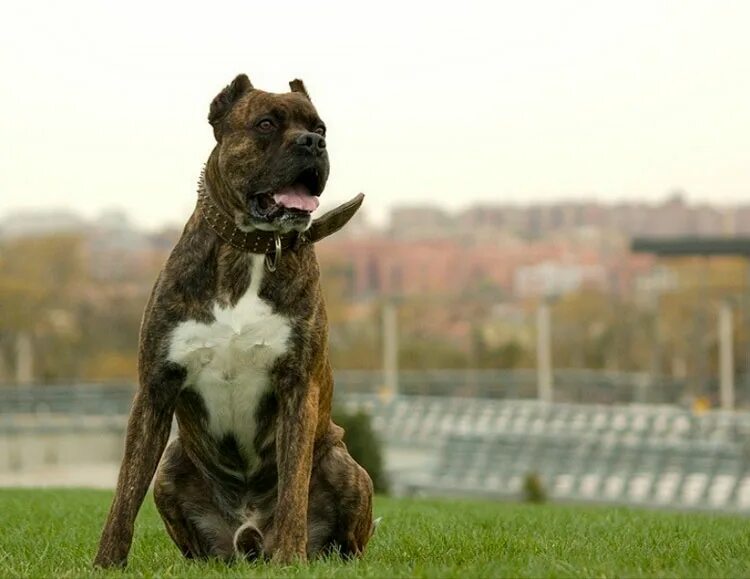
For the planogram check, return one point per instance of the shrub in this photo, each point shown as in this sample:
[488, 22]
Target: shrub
[533, 489]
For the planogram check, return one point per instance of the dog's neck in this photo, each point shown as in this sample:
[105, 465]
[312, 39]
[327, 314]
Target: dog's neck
[270, 243]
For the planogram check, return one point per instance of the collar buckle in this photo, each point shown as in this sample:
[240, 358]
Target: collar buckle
[272, 265]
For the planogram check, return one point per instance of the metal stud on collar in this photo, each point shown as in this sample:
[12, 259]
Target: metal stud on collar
[271, 266]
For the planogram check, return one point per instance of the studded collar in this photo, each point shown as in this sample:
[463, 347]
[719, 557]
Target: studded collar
[271, 242]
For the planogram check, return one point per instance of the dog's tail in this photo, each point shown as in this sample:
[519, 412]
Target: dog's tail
[375, 525]
[248, 541]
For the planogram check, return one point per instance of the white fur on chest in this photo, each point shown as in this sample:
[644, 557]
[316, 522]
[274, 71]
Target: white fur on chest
[228, 360]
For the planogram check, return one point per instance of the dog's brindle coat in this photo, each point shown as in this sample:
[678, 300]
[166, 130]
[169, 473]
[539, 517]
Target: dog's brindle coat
[239, 355]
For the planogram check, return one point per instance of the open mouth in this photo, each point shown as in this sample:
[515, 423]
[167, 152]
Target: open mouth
[301, 195]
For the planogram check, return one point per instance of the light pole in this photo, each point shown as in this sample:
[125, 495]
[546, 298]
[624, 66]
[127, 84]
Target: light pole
[726, 356]
[390, 348]
[544, 352]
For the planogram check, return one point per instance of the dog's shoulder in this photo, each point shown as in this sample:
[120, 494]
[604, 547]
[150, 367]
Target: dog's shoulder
[190, 273]
[184, 288]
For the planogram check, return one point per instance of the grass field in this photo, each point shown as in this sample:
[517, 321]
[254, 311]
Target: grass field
[54, 533]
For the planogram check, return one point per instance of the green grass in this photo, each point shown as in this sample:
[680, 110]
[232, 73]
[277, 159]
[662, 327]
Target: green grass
[54, 533]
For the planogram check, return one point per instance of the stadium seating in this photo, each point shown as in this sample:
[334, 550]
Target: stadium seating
[637, 454]
[651, 455]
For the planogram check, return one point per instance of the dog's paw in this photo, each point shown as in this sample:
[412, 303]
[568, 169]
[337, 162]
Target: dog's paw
[108, 561]
[285, 548]
[288, 557]
[112, 553]
[248, 541]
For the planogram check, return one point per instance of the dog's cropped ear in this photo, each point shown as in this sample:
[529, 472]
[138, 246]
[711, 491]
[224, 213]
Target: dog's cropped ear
[223, 102]
[298, 86]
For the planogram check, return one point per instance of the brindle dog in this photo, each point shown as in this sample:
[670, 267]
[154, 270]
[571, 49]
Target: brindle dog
[234, 343]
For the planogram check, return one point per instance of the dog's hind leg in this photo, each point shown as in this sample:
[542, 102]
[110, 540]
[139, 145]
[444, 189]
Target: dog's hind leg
[340, 505]
[184, 500]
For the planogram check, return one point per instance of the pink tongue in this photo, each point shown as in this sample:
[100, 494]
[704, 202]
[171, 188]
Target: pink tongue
[296, 196]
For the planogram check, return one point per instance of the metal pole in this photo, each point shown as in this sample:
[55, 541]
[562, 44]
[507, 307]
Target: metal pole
[726, 357]
[390, 349]
[543, 353]
[656, 370]
[24, 359]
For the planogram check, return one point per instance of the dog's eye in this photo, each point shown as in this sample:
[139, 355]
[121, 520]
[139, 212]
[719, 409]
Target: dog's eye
[265, 125]
[321, 130]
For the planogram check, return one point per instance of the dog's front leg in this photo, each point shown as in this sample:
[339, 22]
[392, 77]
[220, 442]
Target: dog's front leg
[294, 448]
[147, 433]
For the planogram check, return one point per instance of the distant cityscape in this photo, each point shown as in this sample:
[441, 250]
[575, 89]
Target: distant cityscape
[467, 286]
[496, 250]
[523, 250]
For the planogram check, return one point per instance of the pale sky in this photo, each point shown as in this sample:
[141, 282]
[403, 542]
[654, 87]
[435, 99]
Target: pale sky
[103, 104]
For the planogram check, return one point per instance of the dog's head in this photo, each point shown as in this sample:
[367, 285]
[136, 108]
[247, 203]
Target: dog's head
[270, 158]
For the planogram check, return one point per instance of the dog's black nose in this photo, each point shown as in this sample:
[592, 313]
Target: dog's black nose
[311, 142]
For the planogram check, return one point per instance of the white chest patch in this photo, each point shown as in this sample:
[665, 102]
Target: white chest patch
[227, 360]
